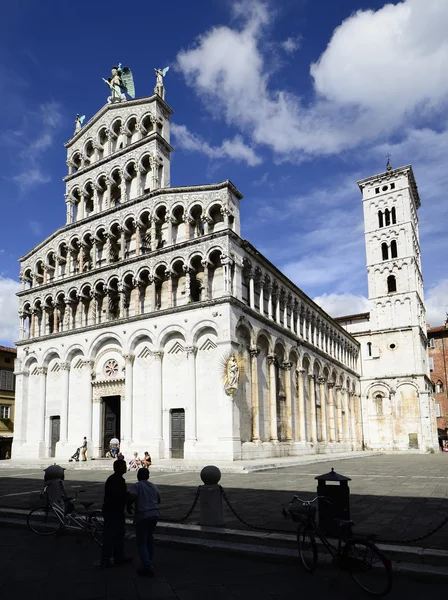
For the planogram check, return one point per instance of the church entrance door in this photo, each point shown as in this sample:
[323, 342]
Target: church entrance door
[112, 418]
[177, 432]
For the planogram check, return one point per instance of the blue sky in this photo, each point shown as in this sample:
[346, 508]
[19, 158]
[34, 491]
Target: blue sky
[292, 101]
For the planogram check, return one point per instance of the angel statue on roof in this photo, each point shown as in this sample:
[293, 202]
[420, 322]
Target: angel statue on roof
[160, 88]
[79, 120]
[120, 84]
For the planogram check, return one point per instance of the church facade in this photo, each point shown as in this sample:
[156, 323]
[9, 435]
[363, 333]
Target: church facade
[148, 318]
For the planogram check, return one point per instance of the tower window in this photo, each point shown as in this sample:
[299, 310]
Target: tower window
[391, 284]
[392, 186]
[394, 215]
[379, 405]
[387, 217]
[385, 251]
[369, 348]
[432, 343]
[380, 219]
[377, 190]
[439, 387]
[393, 249]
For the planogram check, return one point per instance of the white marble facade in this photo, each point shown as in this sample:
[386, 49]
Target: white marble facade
[128, 310]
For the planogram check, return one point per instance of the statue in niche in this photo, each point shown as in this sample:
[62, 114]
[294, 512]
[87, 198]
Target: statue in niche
[160, 88]
[120, 84]
[233, 372]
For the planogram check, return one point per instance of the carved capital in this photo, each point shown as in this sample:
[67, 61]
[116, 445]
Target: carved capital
[331, 384]
[41, 370]
[158, 355]
[321, 380]
[311, 376]
[254, 351]
[129, 359]
[272, 359]
[65, 366]
[287, 365]
[191, 350]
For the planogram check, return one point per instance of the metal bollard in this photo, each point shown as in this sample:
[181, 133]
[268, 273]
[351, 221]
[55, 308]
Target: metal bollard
[210, 498]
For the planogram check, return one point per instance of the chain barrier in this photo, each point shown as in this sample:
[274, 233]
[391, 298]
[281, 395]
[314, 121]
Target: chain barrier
[413, 540]
[193, 506]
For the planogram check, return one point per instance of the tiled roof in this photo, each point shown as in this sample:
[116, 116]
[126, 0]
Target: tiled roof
[437, 329]
[6, 349]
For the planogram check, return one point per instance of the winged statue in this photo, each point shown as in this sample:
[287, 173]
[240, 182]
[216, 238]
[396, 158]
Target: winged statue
[79, 120]
[160, 88]
[120, 84]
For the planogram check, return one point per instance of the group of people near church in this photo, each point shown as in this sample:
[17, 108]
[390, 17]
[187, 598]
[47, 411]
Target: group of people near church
[114, 452]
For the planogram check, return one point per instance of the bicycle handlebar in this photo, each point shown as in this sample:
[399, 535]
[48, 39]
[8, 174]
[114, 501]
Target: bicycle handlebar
[309, 502]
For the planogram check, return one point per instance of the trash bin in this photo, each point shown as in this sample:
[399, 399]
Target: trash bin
[334, 487]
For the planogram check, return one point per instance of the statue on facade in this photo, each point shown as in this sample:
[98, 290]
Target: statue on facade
[120, 84]
[233, 371]
[78, 122]
[160, 88]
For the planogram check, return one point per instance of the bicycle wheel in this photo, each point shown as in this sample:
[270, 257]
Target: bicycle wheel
[96, 522]
[368, 567]
[306, 544]
[43, 521]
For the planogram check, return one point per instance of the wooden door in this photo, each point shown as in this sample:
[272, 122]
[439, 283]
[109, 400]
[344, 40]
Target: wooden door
[177, 433]
[55, 433]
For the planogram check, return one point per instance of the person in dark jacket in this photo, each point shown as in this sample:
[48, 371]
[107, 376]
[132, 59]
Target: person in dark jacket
[115, 498]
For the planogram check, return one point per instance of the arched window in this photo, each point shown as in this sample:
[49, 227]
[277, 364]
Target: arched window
[394, 215]
[369, 348]
[393, 249]
[387, 217]
[391, 284]
[380, 219]
[385, 251]
[439, 387]
[379, 405]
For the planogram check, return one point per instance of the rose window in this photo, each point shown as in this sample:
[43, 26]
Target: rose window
[111, 368]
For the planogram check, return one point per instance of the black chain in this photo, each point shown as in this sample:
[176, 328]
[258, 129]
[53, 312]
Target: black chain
[269, 530]
[413, 540]
[193, 506]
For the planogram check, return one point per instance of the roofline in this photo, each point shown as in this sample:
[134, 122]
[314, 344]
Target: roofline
[153, 194]
[8, 349]
[114, 106]
[356, 316]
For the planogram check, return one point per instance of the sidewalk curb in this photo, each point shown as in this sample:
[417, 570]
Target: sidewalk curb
[270, 546]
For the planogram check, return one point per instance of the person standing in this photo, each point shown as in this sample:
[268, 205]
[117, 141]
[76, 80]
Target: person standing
[84, 449]
[147, 499]
[115, 499]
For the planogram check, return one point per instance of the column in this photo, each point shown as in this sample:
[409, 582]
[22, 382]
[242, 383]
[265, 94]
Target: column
[346, 415]
[300, 423]
[69, 210]
[205, 264]
[21, 325]
[254, 352]
[122, 244]
[169, 220]
[331, 419]
[138, 235]
[65, 368]
[153, 234]
[42, 371]
[353, 419]
[285, 314]
[225, 213]
[252, 289]
[313, 424]
[186, 220]
[323, 408]
[191, 424]
[287, 367]
[272, 398]
[261, 296]
[297, 321]
[339, 425]
[153, 294]
[169, 278]
[277, 309]
[128, 398]
[20, 415]
[97, 413]
[269, 291]
[358, 411]
[157, 390]
[88, 393]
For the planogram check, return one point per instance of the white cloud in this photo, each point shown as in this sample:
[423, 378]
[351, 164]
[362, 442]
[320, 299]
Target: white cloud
[234, 149]
[51, 113]
[36, 228]
[29, 178]
[9, 320]
[339, 305]
[437, 303]
[291, 44]
[362, 80]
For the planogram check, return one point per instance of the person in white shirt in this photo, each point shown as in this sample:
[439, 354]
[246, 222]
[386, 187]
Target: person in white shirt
[147, 499]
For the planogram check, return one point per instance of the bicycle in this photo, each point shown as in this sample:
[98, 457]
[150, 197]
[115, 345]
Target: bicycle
[51, 518]
[359, 556]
